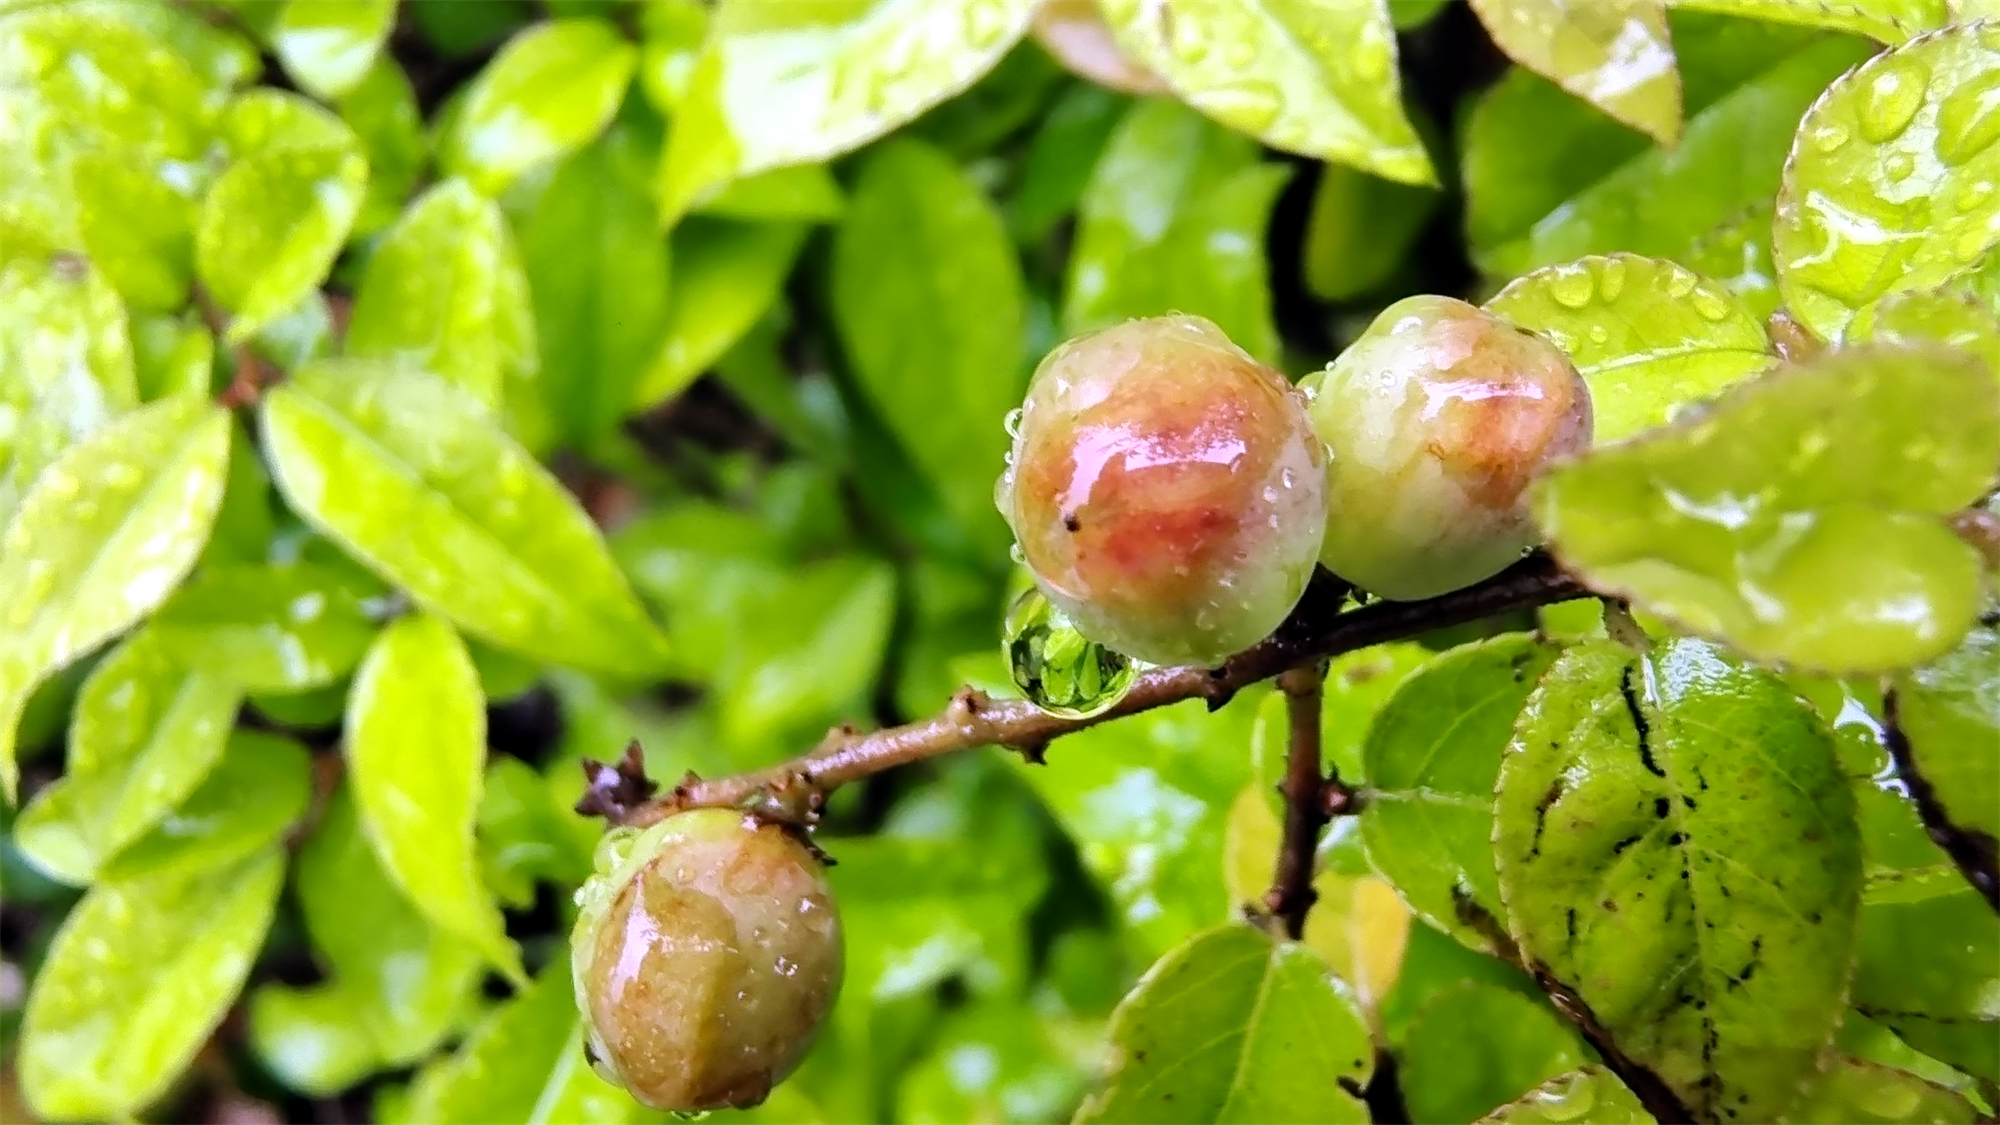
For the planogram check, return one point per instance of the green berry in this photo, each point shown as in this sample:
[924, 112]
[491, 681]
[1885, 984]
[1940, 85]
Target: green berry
[1166, 490]
[706, 955]
[1435, 421]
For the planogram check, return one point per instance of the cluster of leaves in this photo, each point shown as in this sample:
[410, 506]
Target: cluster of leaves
[301, 301]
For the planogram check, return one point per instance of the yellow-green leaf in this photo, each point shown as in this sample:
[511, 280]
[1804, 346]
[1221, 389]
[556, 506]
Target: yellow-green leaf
[1615, 54]
[548, 92]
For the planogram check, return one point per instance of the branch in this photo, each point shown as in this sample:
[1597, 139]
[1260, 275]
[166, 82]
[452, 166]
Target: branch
[252, 373]
[1292, 893]
[1315, 630]
[1976, 854]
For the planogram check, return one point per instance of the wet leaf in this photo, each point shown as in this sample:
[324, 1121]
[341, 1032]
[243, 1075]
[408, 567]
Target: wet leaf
[259, 789]
[548, 93]
[1315, 77]
[1432, 755]
[102, 538]
[1929, 962]
[526, 833]
[1852, 1091]
[409, 474]
[877, 64]
[382, 111]
[1074, 33]
[171, 356]
[804, 654]
[1951, 316]
[281, 628]
[1950, 712]
[800, 191]
[1890, 21]
[327, 46]
[1677, 844]
[416, 752]
[1590, 1093]
[725, 276]
[1478, 1046]
[1890, 182]
[145, 732]
[445, 291]
[1648, 336]
[1172, 221]
[927, 295]
[1616, 55]
[1232, 1026]
[1799, 518]
[1736, 254]
[137, 978]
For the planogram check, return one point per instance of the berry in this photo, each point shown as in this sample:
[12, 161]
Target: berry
[1435, 421]
[1166, 490]
[706, 955]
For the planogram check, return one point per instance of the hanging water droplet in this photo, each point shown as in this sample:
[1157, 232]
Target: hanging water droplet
[1891, 98]
[1012, 423]
[1710, 306]
[1611, 278]
[1571, 286]
[1019, 556]
[1972, 244]
[1056, 667]
[1189, 36]
[1968, 119]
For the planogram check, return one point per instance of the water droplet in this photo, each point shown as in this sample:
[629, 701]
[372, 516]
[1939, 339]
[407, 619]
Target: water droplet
[1189, 36]
[1891, 98]
[1968, 119]
[1599, 334]
[985, 23]
[1250, 106]
[1898, 166]
[1012, 423]
[1710, 306]
[1571, 286]
[1056, 667]
[1611, 278]
[1972, 194]
[1679, 283]
[1371, 56]
[1827, 136]
[1019, 556]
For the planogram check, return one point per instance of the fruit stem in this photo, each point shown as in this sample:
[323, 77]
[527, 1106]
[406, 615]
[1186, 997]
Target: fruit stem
[1292, 894]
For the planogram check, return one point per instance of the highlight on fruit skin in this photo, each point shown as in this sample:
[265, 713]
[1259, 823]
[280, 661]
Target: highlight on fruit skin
[1436, 419]
[1166, 490]
[706, 955]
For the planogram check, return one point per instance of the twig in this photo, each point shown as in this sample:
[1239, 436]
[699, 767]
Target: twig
[1976, 854]
[252, 373]
[1292, 894]
[1313, 632]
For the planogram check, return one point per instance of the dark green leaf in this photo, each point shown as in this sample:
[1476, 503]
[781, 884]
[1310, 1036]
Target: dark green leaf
[1951, 713]
[1057, 166]
[725, 276]
[1362, 229]
[1851, 1091]
[548, 92]
[1478, 1046]
[1590, 1094]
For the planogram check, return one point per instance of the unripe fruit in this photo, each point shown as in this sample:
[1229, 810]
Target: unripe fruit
[1435, 421]
[1166, 490]
[706, 954]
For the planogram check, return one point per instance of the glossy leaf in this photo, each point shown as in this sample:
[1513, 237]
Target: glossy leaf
[1648, 336]
[1590, 1093]
[804, 653]
[1616, 55]
[1950, 711]
[382, 111]
[1929, 964]
[258, 791]
[725, 276]
[1736, 254]
[327, 46]
[1852, 1091]
[445, 291]
[137, 978]
[1891, 21]
[416, 751]
[282, 628]
[145, 732]
[409, 474]
[876, 64]
[1232, 1026]
[1889, 184]
[1478, 1046]
[1677, 844]
[104, 536]
[599, 271]
[1171, 221]
[548, 92]
[1315, 77]
[1953, 316]
[271, 225]
[927, 295]
[1798, 519]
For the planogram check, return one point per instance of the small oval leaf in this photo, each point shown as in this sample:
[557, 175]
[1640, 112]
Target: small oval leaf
[1589, 1093]
[548, 92]
[1614, 54]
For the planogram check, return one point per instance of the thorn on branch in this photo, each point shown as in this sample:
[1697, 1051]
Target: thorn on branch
[614, 790]
[1034, 751]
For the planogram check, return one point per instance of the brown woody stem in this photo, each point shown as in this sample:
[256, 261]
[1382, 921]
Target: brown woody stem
[1292, 893]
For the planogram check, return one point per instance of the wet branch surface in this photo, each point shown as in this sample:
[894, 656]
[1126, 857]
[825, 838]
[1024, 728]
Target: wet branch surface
[1976, 854]
[1316, 630]
[1306, 792]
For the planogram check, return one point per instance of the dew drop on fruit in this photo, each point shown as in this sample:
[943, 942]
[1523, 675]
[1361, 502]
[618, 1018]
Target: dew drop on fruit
[1056, 667]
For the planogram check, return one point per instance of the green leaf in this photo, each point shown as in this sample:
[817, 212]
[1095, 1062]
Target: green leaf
[875, 65]
[260, 788]
[1852, 1091]
[726, 276]
[598, 264]
[311, 1038]
[1799, 518]
[1022, 1068]
[1615, 55]
[276, 217]
[1432, 754]
[1950, 711]
[525, 834]
[139, 975]
[382, 111]
[104, 536]
[1590, 1093]
[171, 355]
[282, 628]
[1888, 187]
[1952, 316]
[1647, 335]
[445, 290]
[416, 754]
[1173, 220]
[1929, 965]
[68, 361]
[145, 732]
[927, 295]
[1232, 1026]
[1736, 254]
[1478, 1046]
[220, 55]
[1362, 229]
[328, 46]
[801, 191]
[410, 475]
[548, 92]
[523, 1064]
[671, 33]
[1677, 844]
[1315, 77]
[1548, 180]
[1059, 160]
[1891, 21]
[808, 653]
